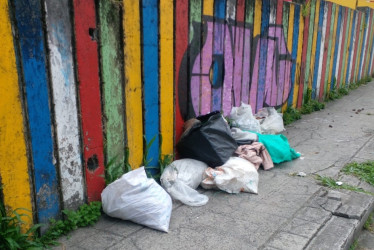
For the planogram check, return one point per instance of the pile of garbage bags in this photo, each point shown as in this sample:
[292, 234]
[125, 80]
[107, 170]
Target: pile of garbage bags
[215, 154]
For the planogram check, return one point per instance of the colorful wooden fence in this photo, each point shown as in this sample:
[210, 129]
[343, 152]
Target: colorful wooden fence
[80, 87]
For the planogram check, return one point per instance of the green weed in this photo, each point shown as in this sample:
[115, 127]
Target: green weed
[369, 223]
[331, 183]
[354, 245]
[364, 171]
[87, 214]
[291, 115]
[11, 232]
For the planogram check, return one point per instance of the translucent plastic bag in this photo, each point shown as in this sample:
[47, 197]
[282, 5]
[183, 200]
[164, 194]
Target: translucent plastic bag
[236, 175]
[242, 117]
[139, 199]
[273, 122]
[181, 178]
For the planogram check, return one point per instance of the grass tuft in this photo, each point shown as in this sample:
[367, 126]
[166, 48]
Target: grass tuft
[331, 183]
[364, 171]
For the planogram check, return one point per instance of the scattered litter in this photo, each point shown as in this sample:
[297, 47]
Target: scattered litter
[339, 183]
[302, 158]
[181, 178]
[208, 140]
[242, 117]
[139, 199]
[235, 176]
[330, 126]
[301, 174]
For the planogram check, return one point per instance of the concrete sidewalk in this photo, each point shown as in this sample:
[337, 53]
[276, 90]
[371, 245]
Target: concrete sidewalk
[290, 212]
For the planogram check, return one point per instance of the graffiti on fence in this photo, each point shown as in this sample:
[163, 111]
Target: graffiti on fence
[225, 70]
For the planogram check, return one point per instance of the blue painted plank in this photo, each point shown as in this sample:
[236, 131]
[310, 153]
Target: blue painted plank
[351, 45]
[263, 53]
[295, 44]
[218, 58]
[32, 51]
[151, 78]
[316, 61]
[336, 47]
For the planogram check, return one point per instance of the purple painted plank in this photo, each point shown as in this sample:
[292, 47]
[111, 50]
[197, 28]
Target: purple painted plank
[205, 68]
[238, 64]
[246, 66]
[227, 81]
[253, 91]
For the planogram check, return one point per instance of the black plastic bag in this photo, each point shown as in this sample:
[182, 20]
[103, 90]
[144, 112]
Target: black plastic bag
[209, 140]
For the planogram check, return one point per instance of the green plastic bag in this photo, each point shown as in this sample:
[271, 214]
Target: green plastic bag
[278, 147]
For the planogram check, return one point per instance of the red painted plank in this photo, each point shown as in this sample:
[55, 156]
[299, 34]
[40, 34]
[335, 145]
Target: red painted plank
[89, 90]
[279, 12]
[342, 47]
[303, 62]
[181, 43]
[240, 9]
[326, 47]
[356, 46]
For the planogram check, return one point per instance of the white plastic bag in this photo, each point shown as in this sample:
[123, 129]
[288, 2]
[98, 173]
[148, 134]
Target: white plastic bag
[181, 178]
[236, 175]
[139, 199]
[243, 118]
[273, 123]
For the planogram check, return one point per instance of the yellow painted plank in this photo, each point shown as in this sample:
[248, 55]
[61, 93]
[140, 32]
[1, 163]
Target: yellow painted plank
[133, 86]
[365, 3]
[334, 37]
[291, 21]
[347, 51]
[314, 45]
[208, 7]
[298, 61]
[347, 3]
[166, 76]
[257, 19]
[13, 154]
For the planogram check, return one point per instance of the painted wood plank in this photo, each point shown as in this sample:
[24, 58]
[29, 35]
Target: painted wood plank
[248, 40]
[358, 48]
[206, 56]
[227, 89]
[280, 68]
[283, 74]
[194, 55]
[181, 43]
[347, 3]
[347, 73]
[314, 10]
[59, 35]
[133, 80]
[150, 64]
[347, 23]
[111, 67]
[306, 44]
[238, 84]
[365, 42]
[166, 76]
[32, 59]
[90, 96]
[295, 44]
[371, 45]
[298, 61]
[355, 47]
[270, 59]
[314, 45]
[336, 47]
[331, 49]
[256, 52]
[263, 53]
[324, 50]
[218, 50]
[367, 47]
[319, 52]
[15, 180]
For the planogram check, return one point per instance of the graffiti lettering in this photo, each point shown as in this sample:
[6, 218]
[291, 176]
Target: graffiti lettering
[226, 69]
